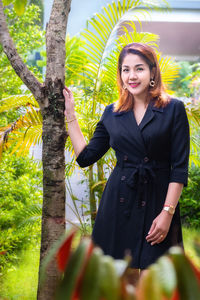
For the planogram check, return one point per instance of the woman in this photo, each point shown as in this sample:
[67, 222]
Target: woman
[149, 132]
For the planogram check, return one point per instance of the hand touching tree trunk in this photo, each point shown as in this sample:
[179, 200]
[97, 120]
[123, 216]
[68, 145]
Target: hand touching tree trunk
[51, 101]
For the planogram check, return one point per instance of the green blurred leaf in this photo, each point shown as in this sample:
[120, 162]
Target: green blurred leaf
[166, 275]
[188, 286]
[149, 286]
[7, 2]
[109, 281]
[90, 287]
[19, 6]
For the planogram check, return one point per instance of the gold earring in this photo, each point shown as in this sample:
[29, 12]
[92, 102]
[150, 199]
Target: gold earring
[152, 83]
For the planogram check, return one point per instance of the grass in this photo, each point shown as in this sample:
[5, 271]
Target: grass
[20, 282]
[189, 235]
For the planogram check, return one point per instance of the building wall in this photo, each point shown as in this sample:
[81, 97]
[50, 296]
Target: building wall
[178, 29]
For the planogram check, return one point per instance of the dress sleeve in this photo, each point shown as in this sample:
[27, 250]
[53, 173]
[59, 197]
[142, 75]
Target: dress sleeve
[180, 145]
[97, 147]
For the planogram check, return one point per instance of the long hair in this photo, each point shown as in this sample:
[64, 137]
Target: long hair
[157, 93]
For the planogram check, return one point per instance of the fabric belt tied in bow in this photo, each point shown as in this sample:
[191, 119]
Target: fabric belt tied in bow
[143, 173]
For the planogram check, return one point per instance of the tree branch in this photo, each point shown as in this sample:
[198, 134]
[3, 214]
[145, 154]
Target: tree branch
[18, 65]
[55, 40]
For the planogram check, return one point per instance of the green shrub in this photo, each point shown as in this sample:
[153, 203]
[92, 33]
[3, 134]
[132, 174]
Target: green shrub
[190, 199]
[20, 201]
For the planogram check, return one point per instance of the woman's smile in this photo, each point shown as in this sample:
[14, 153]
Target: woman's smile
[134, 85]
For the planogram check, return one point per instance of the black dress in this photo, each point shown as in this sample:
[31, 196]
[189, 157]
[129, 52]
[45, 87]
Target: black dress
[149, 156]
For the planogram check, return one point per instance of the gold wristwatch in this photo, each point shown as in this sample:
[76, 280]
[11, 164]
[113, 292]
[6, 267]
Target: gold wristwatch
[169, 208]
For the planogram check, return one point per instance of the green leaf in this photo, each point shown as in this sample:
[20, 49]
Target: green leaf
[90, 287]
[109, 280]
[31, 122]
[149, 286]
[166, 275]
[7, 2]
[19, 6]
[188, 286]
[17, 101]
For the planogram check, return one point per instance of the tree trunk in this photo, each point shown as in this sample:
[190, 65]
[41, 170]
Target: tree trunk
[50, 98]
[54, 136]
[53, 157]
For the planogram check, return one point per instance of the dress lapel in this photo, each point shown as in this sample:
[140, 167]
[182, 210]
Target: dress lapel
[128, 122]
[149, 115]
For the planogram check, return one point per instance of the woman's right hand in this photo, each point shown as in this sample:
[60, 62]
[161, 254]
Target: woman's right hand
[69, 104]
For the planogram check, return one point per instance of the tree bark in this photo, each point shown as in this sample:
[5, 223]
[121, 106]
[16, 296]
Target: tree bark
[54, 136]
[51, 101]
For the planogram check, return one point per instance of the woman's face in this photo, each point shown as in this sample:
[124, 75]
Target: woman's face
[136, 75]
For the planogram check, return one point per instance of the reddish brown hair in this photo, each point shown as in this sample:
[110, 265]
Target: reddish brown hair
[156, 93]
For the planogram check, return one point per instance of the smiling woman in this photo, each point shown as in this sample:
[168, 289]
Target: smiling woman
[149, 131]
[136, 76]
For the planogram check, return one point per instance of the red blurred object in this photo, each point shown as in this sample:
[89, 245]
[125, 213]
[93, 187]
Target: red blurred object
[76, 295]
[195, 270]
[63, 253]
[175, 295]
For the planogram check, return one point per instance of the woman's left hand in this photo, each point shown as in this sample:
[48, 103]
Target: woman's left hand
[159, 228]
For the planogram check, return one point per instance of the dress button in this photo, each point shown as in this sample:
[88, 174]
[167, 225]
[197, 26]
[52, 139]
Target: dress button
[143, 203]
[121, 200]
[123, 177]
[146, 159]
[125, 157]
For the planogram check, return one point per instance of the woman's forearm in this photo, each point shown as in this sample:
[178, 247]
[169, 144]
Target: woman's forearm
[173, 193]
[73, 127]
[161, 224]
[76, 136]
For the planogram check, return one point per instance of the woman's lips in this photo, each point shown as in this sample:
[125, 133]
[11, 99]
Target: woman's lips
[134, 85]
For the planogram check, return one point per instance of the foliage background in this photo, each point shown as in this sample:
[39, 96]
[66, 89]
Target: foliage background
[20, 177]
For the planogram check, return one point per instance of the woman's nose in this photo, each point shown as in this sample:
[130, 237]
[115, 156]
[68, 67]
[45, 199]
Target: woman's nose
[132, 75]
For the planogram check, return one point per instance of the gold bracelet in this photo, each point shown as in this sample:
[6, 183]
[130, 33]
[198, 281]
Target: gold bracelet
[71, 120]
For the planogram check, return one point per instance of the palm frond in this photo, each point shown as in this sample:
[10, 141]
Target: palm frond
[104, 27]
[29, 216]
[17, 101]
[76, 59]
[169, 69]
[109, 74]
[24, 133]
[193, 113]
[131, 35]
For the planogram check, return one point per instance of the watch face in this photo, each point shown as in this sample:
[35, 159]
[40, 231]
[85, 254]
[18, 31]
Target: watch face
[171, 210]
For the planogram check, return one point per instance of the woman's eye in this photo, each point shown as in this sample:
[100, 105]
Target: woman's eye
[140, 69]
[125, 70]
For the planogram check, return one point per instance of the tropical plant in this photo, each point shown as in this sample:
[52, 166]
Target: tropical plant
[27, 37]
[89, 274]
[94, 73]
[49, 95]
[19, 5]
[20, 194]
[189, 201]
[95, 76]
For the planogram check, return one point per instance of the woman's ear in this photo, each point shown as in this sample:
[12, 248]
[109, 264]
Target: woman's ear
[152, 73]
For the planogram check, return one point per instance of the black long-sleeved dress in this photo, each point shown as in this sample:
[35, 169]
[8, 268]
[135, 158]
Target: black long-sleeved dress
[149, 156]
